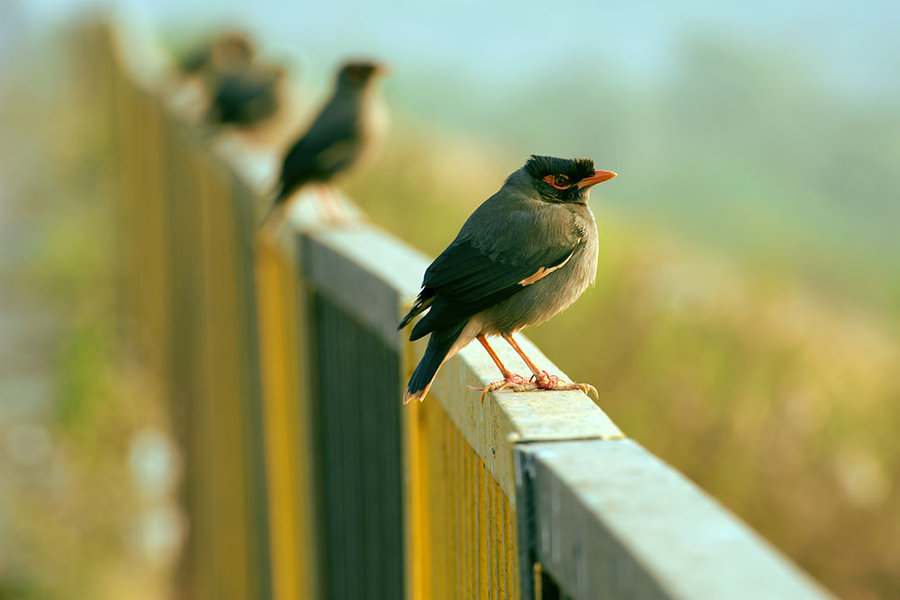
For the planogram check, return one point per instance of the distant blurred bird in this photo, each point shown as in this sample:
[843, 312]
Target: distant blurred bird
[246, 96]
[226, 51]
[525, 254]
[203, 68]
[346, 132]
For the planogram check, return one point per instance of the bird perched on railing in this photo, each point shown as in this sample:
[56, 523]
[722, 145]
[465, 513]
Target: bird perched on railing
[200, 70]
[525, 254]
[347, 132]
[227, 50]
[245, 96]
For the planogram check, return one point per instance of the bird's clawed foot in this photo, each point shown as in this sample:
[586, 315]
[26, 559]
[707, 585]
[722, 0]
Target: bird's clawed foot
[517, 383]
[547, 381]
[513, 382]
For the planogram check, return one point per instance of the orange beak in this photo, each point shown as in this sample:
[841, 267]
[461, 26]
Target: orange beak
[598, 177]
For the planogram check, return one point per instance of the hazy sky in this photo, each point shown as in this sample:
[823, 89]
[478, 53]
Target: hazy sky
[853, 43]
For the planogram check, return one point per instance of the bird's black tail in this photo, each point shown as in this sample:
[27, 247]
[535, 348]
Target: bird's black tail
[424, 300]
[439, 345]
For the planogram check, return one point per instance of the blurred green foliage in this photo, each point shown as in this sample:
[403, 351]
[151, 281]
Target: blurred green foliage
[71, 519]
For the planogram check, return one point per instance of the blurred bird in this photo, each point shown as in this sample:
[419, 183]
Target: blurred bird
[245, 97]
[201, 70]
[525, 254]
[345, 133]
[227, 50]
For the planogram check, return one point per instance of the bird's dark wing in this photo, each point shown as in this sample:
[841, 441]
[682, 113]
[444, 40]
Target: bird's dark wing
[465, 274]
[330, 145]
[476, 272]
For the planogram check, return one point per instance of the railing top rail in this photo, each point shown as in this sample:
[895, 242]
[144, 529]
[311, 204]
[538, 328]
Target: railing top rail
[613, 521]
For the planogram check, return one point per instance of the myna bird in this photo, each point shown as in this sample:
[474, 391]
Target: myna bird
[225, 51]
[246, 96]
[201, 69]
[345, 133]
[525, 254]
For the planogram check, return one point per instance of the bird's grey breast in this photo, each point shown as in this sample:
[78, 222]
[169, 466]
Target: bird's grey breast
[375, 116]
[551, 293]
[374, 121]
[364, 121]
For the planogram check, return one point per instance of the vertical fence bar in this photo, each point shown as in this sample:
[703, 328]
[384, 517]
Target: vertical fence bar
[284, 363]
[230, 575]
[258, 551]
[186, 366]
[234, 386]
[357, 420]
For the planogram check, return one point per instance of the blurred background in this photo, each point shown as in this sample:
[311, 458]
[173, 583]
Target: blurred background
[744, 325]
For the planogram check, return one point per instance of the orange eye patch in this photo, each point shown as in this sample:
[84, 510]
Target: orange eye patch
[560, 182]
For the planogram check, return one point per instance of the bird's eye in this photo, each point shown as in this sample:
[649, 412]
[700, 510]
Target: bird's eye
[558, 181]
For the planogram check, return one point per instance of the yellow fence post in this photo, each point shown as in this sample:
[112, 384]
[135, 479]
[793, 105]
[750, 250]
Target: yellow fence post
[281, 316]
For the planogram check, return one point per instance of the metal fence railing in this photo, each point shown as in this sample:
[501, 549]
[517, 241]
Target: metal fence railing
[305, 475]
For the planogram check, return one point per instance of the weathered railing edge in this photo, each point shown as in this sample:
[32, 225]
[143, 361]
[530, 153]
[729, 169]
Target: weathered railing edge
[660, 535]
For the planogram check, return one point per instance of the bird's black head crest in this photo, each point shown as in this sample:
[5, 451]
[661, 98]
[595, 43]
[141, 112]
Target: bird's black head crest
[575, 169]
[556, 179]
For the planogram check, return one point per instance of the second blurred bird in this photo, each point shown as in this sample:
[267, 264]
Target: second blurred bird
[226, 50]
[225, 84]
[245, 97]
[200, 68]
[345, 134]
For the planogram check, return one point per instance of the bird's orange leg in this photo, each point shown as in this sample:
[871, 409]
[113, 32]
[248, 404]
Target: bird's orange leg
[543, 380]
[510, 380]
[327, 202]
